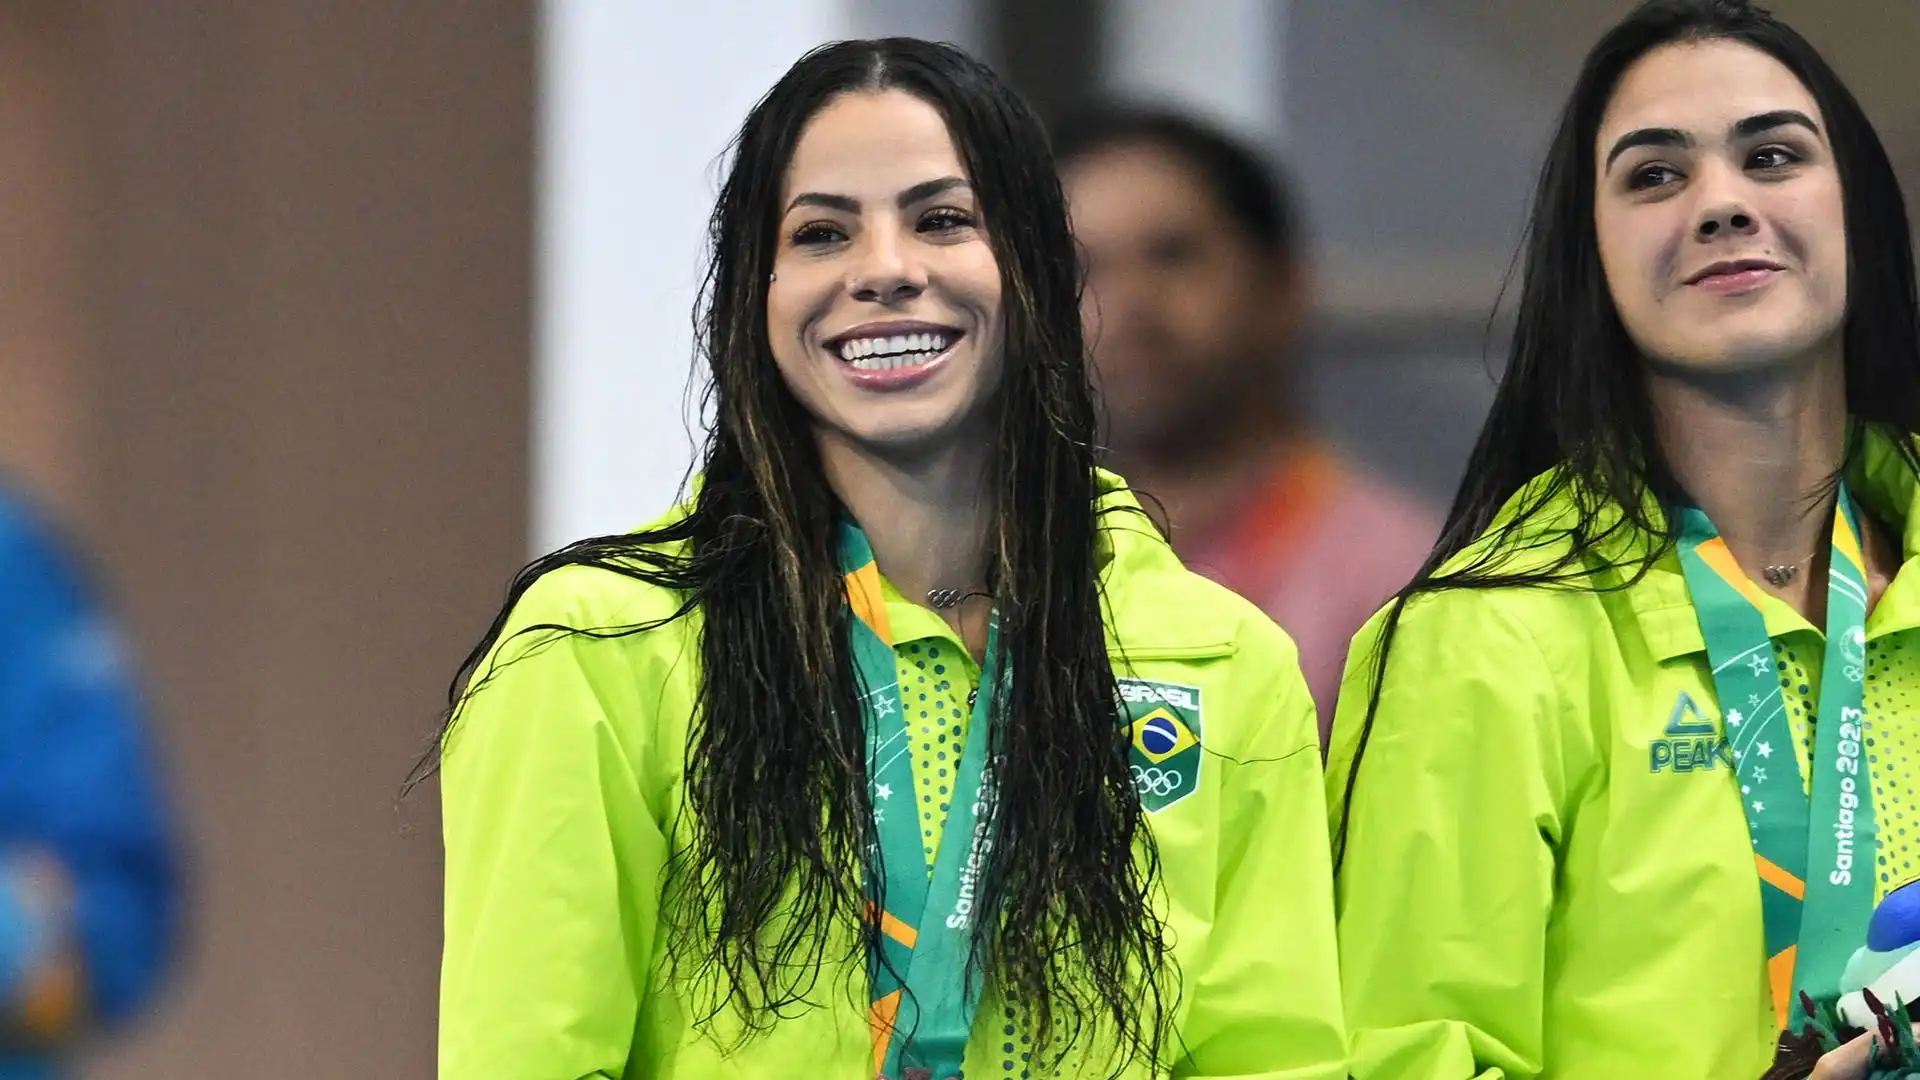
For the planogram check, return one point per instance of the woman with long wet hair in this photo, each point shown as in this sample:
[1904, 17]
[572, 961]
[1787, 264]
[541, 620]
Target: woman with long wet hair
[1626, 779]
[905, 742]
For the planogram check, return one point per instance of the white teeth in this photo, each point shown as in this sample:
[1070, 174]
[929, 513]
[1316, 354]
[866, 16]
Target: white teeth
[900, 350]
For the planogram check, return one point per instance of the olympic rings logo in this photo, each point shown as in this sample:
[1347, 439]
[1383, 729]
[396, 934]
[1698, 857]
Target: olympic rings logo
[1156, 782]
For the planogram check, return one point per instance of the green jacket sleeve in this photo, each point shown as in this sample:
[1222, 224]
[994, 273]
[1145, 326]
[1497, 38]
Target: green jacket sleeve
[1447, 881]
[552, 858]
[1266, 1004]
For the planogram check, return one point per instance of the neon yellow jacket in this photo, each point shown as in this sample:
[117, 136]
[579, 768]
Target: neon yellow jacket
[1548, 870]
[562, 799]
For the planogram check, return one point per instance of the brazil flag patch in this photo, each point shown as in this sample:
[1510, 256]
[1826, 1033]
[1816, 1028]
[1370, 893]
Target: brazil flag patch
[1162, 723]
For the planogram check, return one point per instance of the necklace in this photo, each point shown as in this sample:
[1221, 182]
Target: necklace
[1780, 575]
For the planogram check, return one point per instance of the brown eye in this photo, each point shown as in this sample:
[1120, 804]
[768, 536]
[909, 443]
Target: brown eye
[945, 220]
[816, 233]
[1647, 177]
[1772, 157]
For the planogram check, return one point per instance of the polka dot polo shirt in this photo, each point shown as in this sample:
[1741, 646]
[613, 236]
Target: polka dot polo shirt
[1893, 737]
[937, 680]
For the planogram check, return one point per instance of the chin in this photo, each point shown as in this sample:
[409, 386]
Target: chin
[1748, 342]
[906, 436]
[1731, 358]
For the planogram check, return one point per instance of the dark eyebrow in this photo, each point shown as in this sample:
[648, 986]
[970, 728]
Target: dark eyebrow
[1745, 129]
[926, 189]
[831, 202]
[1648, 137]
[1754, 125]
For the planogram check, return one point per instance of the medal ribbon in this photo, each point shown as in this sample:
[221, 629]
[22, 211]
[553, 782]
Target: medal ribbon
[923, 995]
[1815, 853]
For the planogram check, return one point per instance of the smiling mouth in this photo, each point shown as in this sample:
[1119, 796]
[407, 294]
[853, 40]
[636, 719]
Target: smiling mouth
[1727, 270]
[895, 350]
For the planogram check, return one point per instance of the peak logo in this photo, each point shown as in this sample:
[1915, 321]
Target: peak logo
[1692, 743]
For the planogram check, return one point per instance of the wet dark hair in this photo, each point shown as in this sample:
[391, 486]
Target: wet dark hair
[1572, 405]
[776, 771]
[1247, 185]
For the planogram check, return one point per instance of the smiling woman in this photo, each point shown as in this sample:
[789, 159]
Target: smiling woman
[883, 257]
[1719, 214]
[1630, 729]
[905, 744]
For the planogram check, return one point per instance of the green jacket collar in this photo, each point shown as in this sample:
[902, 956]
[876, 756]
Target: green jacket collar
[1148, 595]
[1146, 592]
[1661, 605]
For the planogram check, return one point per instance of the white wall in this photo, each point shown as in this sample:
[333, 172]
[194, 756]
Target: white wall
[1222, 58]
[639, 100]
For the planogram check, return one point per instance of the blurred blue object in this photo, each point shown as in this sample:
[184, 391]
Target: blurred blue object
[79, 788]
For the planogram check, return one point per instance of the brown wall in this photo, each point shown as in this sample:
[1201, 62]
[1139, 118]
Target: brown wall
[264, 335]
[42, 434]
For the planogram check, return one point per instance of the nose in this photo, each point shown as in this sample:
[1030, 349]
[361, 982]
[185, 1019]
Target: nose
[1725, 221]
[1724, 208]
[886, 271]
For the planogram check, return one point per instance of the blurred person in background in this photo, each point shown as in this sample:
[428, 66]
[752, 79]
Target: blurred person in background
[906, 740]
[88, 891]
[1196, 296]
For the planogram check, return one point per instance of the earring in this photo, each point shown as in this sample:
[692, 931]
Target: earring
[771, 278]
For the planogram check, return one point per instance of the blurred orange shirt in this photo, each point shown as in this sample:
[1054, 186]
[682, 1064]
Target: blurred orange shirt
[1319, 546]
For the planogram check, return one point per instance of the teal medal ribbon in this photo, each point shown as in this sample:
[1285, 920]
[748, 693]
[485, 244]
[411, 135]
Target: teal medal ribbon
[924, 995]
[1816, 854]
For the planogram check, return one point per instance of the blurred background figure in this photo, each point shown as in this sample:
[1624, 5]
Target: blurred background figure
[1197, 293]
[87, 876]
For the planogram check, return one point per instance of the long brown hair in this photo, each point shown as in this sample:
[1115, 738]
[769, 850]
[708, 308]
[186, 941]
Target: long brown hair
[775, 767]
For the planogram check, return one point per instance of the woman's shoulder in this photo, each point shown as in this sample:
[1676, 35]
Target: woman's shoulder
[1170, 627]
[586, 646]
[607, 581]
[1543, 568]
[596, 596]
[618, 592]
[1550, 624]
[1156, 605]
[1458, 648]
